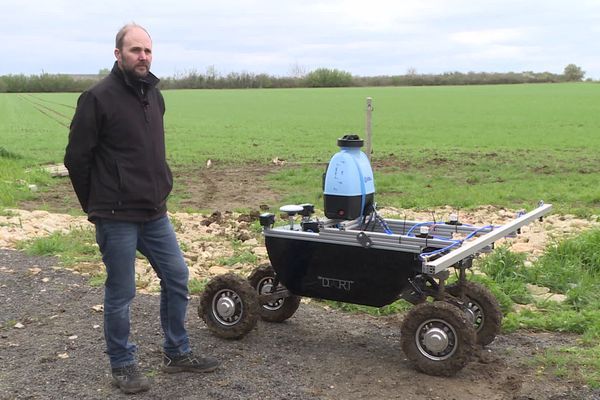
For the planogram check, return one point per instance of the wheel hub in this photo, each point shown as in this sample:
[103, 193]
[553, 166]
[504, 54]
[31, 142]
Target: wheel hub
[225, 307]
[266, 288]
[478, 315]
[435, 340]
[471, 316]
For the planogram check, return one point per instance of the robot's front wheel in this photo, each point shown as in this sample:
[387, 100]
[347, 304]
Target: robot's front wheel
[229, 306]
[438, 338]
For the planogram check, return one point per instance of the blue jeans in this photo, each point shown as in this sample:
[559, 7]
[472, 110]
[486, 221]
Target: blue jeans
[118, 241]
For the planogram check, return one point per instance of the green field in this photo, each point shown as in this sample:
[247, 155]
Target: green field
[507, 145]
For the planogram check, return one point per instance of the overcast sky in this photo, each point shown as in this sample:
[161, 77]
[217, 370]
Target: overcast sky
[279, 37]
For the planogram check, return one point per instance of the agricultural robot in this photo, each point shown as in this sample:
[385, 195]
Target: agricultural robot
[354, 255]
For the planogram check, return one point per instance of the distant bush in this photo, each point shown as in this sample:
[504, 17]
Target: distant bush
[233, 80]
[43, 83]
[573, 73]
[324, 77]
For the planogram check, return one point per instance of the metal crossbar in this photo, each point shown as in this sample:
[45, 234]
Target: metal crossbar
[448, 260]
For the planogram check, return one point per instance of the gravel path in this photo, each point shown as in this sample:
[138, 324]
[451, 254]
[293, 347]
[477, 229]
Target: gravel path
[51, 347]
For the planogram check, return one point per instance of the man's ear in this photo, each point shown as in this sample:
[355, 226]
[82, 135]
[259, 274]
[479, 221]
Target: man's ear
[117, 54]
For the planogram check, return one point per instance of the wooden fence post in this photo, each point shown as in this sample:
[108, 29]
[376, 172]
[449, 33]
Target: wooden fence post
[368, 127]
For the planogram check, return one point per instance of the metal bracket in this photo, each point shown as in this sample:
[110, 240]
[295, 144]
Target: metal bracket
[364, 240]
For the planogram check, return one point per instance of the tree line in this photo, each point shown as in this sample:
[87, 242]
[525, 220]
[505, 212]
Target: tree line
[321, 77]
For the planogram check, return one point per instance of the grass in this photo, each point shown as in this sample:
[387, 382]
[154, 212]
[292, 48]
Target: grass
[507, 145]
[76, 250]
[241, 255]
[465, 146]
[9, 324]
[302, 124]
[506, 269]
[196, 286]
[15, 179]
[570, 267]
[73, 248]
[97, 280]
[569, 361]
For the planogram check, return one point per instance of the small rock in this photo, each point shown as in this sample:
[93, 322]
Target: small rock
[19, 325]
[218, 270]
[260, 251]
[557, 297]
[524, 307]
[72, 337]
[278, 161]
[243, 236]
[98, 308]
[251, 242]
[63, 356]
[521, 247]
[537, 290]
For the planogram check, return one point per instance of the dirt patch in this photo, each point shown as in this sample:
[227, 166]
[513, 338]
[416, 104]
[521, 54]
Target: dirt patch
[225, 188]
[51, 346]
[216, 188]
[58, 198]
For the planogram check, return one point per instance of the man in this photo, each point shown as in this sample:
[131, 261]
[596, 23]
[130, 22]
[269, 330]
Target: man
[117, 164]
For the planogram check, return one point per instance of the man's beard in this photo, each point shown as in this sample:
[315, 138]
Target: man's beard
[132, 72]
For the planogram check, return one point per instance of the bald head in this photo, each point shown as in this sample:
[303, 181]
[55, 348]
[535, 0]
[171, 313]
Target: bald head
[124, 30]
[133, 50]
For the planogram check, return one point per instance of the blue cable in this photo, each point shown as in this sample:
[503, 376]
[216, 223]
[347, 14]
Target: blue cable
[417, 225]
[422, 256]
[384, 225]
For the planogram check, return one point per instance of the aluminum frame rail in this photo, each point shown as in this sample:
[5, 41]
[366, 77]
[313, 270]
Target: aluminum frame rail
[401, 227]
[470, 248]
[441, 229]
[350, 238]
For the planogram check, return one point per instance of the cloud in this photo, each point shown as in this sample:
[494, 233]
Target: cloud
[489, 36]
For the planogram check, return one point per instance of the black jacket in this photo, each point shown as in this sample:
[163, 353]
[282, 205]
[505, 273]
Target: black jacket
[116, 150]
